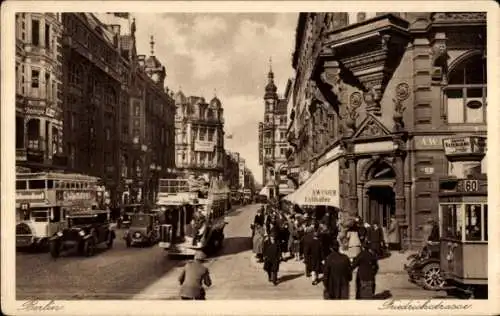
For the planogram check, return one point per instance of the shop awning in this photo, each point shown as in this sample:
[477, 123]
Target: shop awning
[321, 189]
[264, 191]
[292, 196]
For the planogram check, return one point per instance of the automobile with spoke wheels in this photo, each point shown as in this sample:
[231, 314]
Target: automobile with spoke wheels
[85, 231]
[424, 267]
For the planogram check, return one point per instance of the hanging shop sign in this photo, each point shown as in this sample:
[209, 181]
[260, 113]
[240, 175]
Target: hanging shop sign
[204, 146]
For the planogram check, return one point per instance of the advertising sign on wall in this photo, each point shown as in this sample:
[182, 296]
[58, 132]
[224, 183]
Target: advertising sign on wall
[464, 145]
[204, 146]
[30, 195]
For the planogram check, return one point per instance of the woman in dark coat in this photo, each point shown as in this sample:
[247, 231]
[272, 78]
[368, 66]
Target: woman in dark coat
[337, 275]
[272, 258]
[367, 265]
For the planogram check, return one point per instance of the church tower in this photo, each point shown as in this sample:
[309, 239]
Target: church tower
[154, 68]
[269, 129]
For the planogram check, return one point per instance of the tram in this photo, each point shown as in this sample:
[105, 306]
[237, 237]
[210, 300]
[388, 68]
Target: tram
[463, 212]
[194, 217]
[44, 200]
[464, 236]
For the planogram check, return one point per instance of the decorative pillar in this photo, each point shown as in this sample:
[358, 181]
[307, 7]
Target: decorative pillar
[353, 197]
[50, 143]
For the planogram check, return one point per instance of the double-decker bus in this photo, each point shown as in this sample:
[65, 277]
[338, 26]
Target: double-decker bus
[43, 200]
[194, 215]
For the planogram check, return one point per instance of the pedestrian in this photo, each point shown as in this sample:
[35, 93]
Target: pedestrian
[367, 265]
[294, 240]
[192, 278]
[337, 275]
[393, 235]
[353, 241]
[258, 243]
[313, 254]
[376, 239]
[272, 259]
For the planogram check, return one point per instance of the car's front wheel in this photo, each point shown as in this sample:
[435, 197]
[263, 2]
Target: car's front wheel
[432, 279]
[55, 249]
[89, 248]
[109, 243]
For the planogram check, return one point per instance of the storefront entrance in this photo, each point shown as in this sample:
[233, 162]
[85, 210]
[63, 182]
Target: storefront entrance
[381, 205]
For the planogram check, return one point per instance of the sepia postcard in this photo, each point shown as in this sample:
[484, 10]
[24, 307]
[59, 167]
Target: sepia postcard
[258, 157]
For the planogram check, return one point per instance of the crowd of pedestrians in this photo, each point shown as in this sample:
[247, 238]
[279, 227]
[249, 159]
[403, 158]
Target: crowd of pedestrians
[330, 253]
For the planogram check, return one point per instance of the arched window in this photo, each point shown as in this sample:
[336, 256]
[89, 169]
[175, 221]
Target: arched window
[465, 95]
[210, 114]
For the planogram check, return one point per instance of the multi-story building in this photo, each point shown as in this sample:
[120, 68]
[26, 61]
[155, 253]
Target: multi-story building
[374, 97]
[273, 145]
[150, 153]
[231, 170]
[39, 104]
[199, 136]
[104, 79]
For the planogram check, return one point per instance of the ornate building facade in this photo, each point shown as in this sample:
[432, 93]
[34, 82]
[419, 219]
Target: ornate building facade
[273, 145]
[199, 136]
[375, 96]
[39, 103]
[112, 104]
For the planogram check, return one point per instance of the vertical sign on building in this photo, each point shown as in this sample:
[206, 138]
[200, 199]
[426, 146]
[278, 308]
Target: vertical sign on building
[260, 144]
[241, 169]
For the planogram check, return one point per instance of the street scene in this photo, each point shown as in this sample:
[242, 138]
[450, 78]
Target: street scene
[176, 156]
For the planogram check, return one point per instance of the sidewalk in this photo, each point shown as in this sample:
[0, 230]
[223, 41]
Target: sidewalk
[390, 265]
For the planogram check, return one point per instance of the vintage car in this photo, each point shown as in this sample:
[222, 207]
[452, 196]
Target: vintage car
[144, 229]
[126, 212]
[85, 231]
[424, 267]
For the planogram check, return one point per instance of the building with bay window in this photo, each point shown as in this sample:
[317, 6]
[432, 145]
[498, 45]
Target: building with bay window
[375, 96]
[199, 136]
[39, 104]
[118, 115]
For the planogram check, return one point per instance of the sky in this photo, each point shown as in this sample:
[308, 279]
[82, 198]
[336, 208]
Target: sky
[226, 54]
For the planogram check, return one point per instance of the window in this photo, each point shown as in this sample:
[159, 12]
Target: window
[47, 36]
[283, 120]
[282, 151]
[36, 184]
[35, 74]
[282, 135]
[268, 151]
[473, 221]
[465, 95]
[48, 86]
[35, 32]
[137, 109]
[452, 221]
[361, 16]
[202, 134]
[108, 134]
[137, 123]
[210, 135]
[20, 185]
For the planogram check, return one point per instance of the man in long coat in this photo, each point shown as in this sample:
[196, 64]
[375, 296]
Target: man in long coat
[337, 274]
[376, 239]
[313, 254]
[367, 265]
[192, 278]
[272, 258]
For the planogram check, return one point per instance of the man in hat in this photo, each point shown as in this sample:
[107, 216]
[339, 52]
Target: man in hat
[376, 239]
[192, 278]
[337, 274]
[272, 258]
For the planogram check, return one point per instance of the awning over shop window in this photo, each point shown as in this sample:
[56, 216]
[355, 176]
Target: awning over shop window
[264, 191]
[322, 188]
